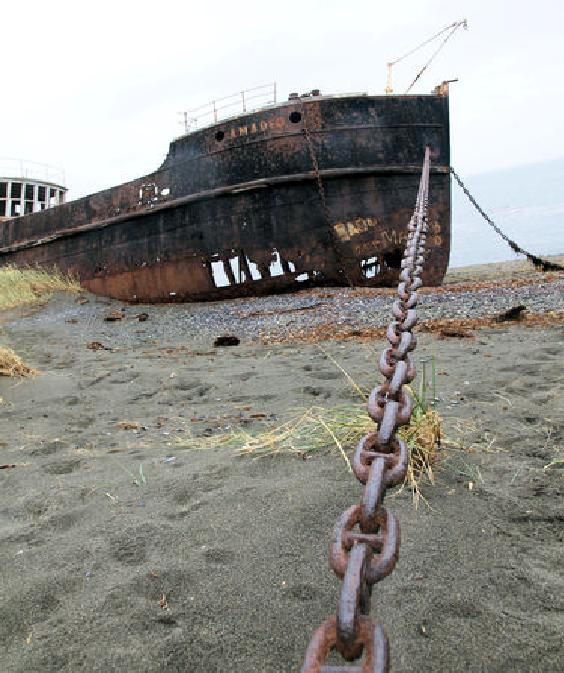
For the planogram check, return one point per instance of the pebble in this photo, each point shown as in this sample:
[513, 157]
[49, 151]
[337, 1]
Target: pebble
[275, 316]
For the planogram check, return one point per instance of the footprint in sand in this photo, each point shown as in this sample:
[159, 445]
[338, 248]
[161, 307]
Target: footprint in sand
[219, 556]
[461, 608]
[552, 350]
[186, 511]
[316, 391]
[245, 376]
[185, 495]
[48, 448]
[304, 592]
[153, 585]
[326, 376]
[36, 507]
[185, 384]
[64, 522]
[38, 604]
[62, 466]
[130, 546]
[81, 422]
[123, 376]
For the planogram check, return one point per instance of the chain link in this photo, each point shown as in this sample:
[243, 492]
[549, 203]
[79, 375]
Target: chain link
[365, 543]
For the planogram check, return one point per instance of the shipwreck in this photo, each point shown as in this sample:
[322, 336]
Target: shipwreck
[315, 190]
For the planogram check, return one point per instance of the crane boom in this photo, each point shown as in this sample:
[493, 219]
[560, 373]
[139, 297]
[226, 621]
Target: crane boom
[451, 29]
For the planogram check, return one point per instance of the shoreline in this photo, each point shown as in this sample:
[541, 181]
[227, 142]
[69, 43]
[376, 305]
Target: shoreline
[519, 268]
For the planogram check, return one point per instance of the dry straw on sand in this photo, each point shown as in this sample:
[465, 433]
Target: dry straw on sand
[27, 286]
[32, 285]
[12, 365]
[338, 428]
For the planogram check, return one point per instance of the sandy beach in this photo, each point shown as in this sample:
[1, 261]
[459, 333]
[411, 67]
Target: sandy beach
[122, 548]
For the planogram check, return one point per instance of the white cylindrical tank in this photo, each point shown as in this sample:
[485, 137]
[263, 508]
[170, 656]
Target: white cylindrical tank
[29, 187]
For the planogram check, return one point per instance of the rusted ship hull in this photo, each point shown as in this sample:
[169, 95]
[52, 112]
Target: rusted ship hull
[240, 208]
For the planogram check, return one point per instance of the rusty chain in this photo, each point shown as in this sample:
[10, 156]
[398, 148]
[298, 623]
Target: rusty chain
[363, 557]
[538, 262]
[315, 163]
[337, 245]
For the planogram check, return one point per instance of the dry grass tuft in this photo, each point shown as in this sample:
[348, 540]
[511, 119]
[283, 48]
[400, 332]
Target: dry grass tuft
[341, 428]
[32, 285]
[12, 365]
[423, 437]
[337, 428]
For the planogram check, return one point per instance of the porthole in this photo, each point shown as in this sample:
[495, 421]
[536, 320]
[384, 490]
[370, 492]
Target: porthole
[295, 117]
[219, 136]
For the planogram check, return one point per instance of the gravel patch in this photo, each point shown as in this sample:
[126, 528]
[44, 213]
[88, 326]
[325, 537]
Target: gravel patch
[277, 315]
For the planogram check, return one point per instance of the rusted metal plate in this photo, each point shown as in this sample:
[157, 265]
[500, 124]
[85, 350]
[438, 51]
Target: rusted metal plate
[234, 210]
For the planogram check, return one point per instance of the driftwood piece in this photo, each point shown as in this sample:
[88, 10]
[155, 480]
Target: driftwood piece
[514, 313]
[460, 332]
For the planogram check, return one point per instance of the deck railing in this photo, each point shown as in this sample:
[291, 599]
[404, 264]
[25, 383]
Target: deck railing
[228, 106]
[35, 171]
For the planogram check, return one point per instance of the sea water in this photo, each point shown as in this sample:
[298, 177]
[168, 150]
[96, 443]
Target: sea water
[526, 203]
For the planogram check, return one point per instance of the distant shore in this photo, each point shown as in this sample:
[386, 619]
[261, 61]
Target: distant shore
[520, 268]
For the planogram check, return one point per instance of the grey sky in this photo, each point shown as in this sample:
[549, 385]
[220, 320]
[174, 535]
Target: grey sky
[96, 87]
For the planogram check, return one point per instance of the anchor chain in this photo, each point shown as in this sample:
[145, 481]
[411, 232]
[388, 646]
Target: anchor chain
[337, 245]
[539, 263]
[365, 543]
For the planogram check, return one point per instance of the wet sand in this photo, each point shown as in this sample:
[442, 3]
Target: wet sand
[219, 562]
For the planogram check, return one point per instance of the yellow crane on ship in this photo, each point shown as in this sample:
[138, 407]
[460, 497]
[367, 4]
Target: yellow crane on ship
[450, 30]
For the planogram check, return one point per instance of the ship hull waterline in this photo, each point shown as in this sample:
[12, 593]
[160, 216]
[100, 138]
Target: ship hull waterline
[269, 261]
